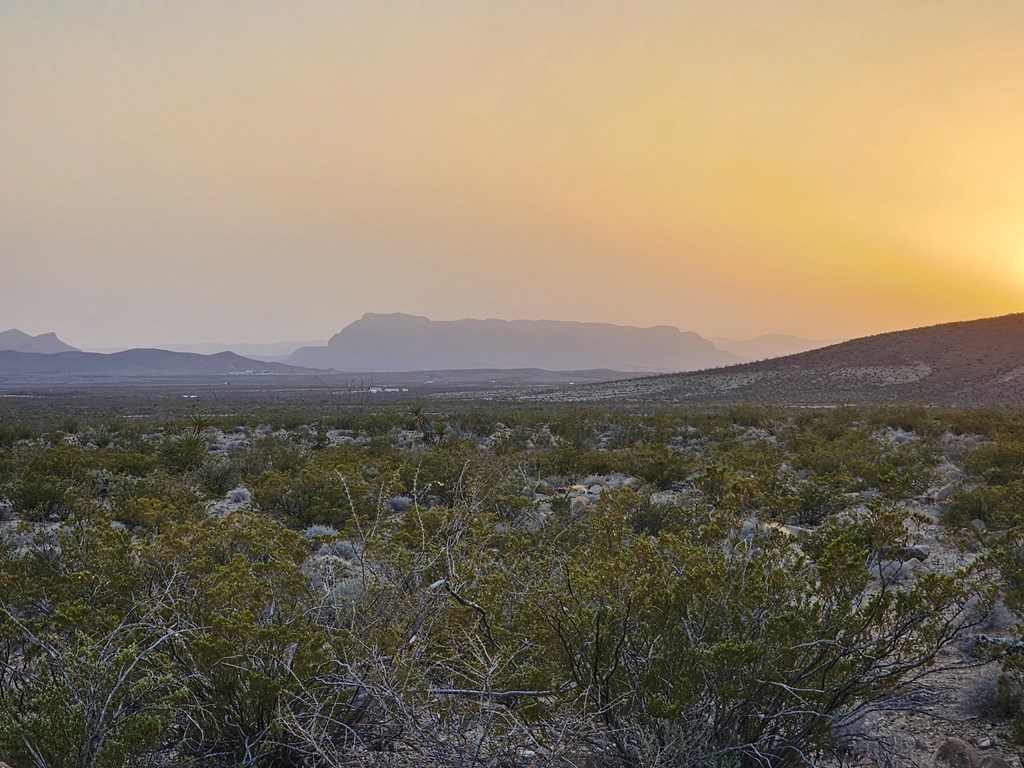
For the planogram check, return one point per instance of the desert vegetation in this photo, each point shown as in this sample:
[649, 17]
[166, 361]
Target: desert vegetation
[510, 586]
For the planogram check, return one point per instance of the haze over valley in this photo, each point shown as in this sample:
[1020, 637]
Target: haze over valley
[379, 343]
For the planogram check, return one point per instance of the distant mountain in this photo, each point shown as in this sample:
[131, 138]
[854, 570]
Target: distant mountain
[44, 343]
[974, 363]
[133, 362]
[399, 342]
[770, 345]
[273, 351]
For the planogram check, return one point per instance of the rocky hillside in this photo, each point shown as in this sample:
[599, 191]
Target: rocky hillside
[44, 343]
[399, 342]
[979, 362]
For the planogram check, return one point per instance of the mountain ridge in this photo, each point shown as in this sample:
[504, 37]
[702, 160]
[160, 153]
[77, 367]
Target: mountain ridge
[133, 362]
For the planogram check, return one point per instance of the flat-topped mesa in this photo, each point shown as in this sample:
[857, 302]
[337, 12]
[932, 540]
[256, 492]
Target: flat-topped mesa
[401, 342]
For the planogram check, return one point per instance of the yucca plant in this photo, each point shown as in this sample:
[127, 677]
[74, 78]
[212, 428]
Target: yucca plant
[198, 423]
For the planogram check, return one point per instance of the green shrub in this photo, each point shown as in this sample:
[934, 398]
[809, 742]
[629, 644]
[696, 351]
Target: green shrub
[183, 451]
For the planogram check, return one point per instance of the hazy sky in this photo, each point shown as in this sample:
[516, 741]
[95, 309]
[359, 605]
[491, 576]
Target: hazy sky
[242, 170]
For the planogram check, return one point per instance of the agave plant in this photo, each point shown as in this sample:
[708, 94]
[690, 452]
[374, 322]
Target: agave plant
[102, 437]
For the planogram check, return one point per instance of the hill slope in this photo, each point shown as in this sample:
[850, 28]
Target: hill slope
[400, 342]
[770, 345]
[978, 362]
[44, 343]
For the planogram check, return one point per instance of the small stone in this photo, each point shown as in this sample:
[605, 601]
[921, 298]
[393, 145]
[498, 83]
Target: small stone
[578, 504]
[986, 743]
[957, 753]
[993, 761]
[979, 525]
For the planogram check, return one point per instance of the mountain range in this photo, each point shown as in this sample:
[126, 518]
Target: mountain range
[43, 344]
[133, 362]
[977, 362]
[275, 351]
[400, 342]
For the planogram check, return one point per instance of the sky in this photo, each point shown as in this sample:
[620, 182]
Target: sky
[254, 171]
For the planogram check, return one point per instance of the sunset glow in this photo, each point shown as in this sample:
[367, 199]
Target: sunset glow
[262, 170]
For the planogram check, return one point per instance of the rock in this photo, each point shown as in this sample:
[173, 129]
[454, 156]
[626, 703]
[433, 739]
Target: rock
[578, 504]
[957, 753]
[889, 571]
[916, 552]
[595, 489]
[664, 497]
[239, 495]
[944, 492]
[986, 743]
[617, 480]
[400, 503]
[235, 499]
[979, 525]
[994, 761]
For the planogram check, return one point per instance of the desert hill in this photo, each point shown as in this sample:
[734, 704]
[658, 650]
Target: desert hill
[132, 362]
[978, 362]
[44, 343]
[399, 342]
[276, 352]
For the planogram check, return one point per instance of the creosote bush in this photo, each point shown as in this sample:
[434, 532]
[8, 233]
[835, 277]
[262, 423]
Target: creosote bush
[716, 601]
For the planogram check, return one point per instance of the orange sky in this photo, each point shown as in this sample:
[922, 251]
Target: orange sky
[239, 170]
